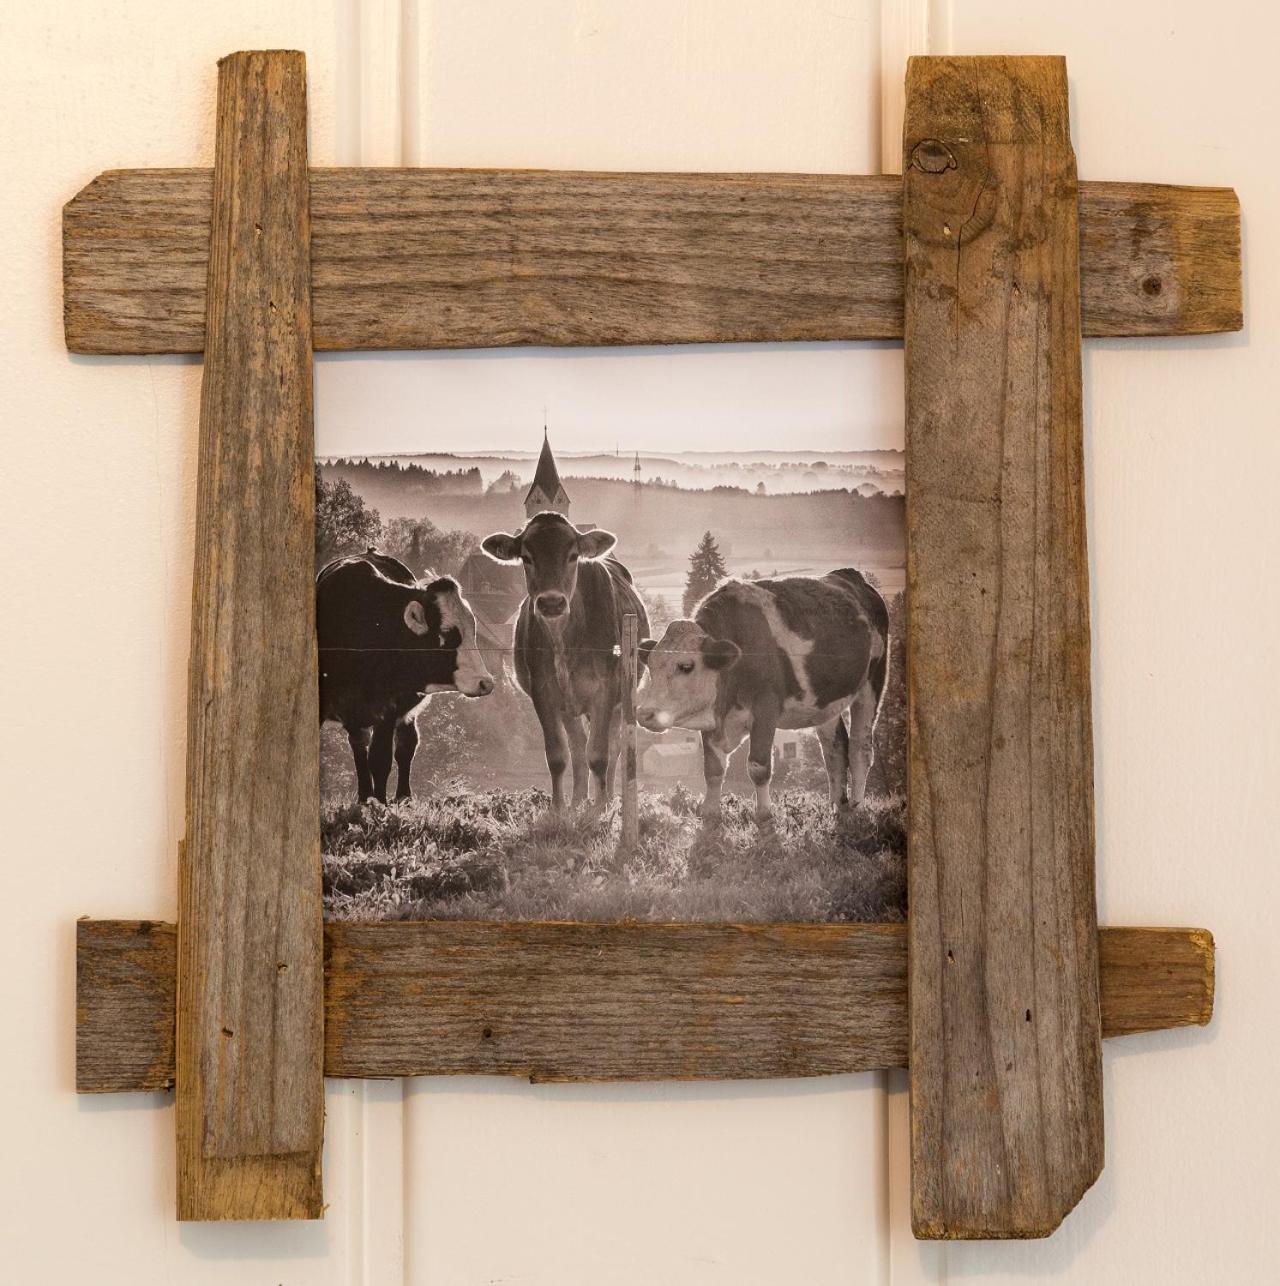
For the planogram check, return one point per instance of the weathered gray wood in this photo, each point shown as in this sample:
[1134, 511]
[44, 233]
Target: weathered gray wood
[1149, 978]
[250, 1094]
[476, 258]
[126, 1005]
[1006, 1070]
[597, 1002]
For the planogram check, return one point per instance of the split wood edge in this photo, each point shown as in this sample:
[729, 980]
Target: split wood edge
[1006, 1043]
[420, 259]
[250, 1089]
[596, 1002]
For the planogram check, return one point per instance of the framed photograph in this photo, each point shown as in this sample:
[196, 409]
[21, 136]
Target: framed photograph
[477, 555]
[611, 654]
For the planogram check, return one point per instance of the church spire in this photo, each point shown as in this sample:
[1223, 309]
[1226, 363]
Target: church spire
[547, 491]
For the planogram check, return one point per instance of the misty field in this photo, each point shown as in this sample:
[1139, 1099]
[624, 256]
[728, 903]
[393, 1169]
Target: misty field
[501, 855]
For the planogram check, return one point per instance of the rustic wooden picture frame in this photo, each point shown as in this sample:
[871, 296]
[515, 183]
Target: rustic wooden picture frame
[991, 262]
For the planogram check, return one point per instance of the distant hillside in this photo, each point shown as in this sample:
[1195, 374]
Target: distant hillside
[653, 522]
[775, 470]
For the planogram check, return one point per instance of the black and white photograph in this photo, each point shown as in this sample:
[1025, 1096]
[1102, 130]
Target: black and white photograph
[476, 602]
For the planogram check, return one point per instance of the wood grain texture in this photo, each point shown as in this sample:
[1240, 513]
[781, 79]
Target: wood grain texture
[596, 1002]
[126, 1005]
[250, 1092]
[1006, 1066]
[477, 258]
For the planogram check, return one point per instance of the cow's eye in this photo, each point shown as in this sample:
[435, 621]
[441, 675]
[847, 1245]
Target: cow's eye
[685, 667]
[526, 559]
[452, 638]
[573, 555]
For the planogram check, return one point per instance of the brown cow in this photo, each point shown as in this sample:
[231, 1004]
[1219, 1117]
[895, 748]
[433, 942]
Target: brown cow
[568, 644]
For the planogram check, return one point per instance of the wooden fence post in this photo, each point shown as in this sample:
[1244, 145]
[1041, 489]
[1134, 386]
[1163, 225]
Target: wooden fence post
[630, 669]
[250, 1093]
[1006, 1076]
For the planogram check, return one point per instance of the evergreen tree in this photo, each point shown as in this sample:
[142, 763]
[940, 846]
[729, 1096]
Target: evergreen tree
[706, 571]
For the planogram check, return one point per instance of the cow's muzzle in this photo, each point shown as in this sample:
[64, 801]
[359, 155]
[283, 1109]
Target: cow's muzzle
[653, 720]
[551, 604]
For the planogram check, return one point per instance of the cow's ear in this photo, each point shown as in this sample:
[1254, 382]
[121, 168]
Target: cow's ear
[646, 649]
[415, 617]
[720, 654]
[501, 547]
[595, 544]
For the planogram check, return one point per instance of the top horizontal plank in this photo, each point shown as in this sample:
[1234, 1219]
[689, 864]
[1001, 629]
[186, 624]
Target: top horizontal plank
[486, 258]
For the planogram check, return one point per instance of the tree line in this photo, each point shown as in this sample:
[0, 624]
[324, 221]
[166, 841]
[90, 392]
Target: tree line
[345, 524]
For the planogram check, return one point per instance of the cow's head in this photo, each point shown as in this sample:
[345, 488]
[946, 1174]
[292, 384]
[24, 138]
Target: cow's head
[441, 619]
[682, 677]
[550, 547]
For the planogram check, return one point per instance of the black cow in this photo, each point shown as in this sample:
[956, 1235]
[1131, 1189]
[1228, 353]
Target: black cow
[567, 645]
[387, 641]
[795, 652]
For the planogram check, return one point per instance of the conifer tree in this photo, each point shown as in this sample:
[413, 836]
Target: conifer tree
[706, 570]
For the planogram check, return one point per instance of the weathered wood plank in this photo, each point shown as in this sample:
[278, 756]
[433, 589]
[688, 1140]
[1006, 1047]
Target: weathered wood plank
[250, 950]
[1006, 1065]
[126, 1005]
[1145, 978]
[475, 258]
[584, 1002]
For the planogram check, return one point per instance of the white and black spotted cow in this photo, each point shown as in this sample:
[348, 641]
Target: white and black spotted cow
[791, 652]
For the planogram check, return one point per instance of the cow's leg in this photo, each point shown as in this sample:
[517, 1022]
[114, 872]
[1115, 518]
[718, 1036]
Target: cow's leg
[406, 744]
[862, 739]
[358, 738]
[834, 738]
[715, 755]
[615, 749]
[578, 756]
[602, 750]
[764, 723]
[600, 744]
[556, 745]
[380, 751]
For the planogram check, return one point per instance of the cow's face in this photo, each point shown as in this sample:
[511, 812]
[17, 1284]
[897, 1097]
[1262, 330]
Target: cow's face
[441, 619]
[682, 678]
[550, 547]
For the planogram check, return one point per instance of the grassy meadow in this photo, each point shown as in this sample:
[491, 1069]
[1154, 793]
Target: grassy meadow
[499, 854]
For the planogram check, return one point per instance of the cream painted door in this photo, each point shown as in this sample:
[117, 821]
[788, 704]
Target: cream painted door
[459, 1182]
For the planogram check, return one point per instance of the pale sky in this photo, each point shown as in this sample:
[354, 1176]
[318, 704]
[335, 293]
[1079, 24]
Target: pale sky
[816, 397]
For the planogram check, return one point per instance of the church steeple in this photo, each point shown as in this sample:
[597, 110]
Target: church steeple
[547, 491]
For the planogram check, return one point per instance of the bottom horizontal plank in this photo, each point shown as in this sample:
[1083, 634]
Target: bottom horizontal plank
[582, 1002]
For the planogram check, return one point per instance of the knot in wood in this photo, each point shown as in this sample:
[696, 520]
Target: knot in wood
[932, 156]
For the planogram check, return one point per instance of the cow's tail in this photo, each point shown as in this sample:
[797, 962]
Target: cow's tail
[878, 673]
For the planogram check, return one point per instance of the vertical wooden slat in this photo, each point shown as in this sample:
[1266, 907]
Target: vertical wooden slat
[630, 787]
[1005, 1043]
[250, 986]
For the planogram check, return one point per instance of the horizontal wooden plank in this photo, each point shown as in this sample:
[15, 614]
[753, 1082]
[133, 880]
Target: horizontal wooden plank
[126, 1005]
[482, 258]
[568, 1002]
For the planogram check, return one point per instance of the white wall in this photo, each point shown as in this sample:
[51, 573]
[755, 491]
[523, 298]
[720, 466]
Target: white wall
[460, 1182]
